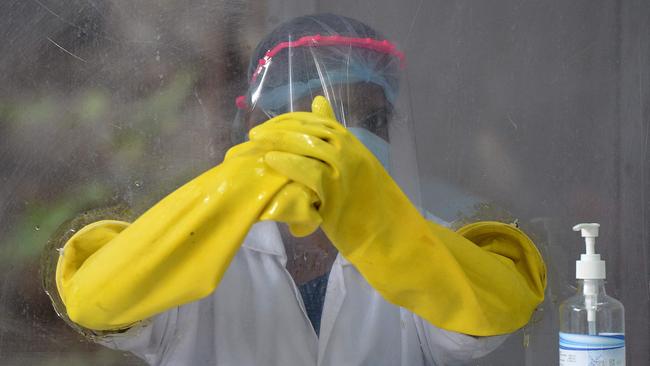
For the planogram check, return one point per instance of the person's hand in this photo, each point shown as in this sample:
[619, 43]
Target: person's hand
[295, 204]
[314, 150]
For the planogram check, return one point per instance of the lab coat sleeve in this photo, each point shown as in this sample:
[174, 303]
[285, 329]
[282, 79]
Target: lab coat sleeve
[442, 347]
[147, 339]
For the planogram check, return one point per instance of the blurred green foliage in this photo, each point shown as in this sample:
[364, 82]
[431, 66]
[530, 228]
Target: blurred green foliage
[39, 221]
[108, 150]
[144, 120]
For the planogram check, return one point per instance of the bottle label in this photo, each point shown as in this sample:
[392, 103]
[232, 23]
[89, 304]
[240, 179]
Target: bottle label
[592, 350]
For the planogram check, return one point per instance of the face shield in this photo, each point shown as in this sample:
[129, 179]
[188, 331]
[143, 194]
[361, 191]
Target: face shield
[359, 77]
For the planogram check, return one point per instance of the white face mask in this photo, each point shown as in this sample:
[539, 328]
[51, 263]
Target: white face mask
[374, 143]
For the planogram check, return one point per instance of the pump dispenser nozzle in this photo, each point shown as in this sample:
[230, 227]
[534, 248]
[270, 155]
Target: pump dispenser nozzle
[590, 266]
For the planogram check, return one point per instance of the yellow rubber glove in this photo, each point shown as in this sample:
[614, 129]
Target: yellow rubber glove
[484, 280]
[112, 274]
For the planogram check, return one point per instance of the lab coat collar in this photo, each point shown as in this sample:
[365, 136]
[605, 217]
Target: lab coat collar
[265, 237]
[344, 262]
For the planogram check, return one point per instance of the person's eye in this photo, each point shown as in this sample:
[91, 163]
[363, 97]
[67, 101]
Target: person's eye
[375, 121]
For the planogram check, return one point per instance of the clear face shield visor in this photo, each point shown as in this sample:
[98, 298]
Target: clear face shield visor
[358, 76]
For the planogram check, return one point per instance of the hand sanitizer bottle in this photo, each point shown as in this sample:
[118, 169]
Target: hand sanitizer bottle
[592, 324]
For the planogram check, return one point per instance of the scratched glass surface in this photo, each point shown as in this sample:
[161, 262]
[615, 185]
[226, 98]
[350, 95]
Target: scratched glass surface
[524, 110]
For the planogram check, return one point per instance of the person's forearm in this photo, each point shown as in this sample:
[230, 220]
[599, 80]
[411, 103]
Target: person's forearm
[112, 274]
[484, 280]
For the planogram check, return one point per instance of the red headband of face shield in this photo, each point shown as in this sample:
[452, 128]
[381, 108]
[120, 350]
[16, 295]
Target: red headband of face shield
[383, 46]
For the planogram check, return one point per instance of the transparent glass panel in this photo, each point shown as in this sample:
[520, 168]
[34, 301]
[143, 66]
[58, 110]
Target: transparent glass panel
[528, 111]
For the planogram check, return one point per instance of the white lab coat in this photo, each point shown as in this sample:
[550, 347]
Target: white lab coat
[257, 317]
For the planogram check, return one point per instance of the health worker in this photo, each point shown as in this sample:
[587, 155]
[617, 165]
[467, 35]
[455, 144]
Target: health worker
[307, 244]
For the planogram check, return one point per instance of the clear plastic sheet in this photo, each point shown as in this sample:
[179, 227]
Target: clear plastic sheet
[534, 112]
